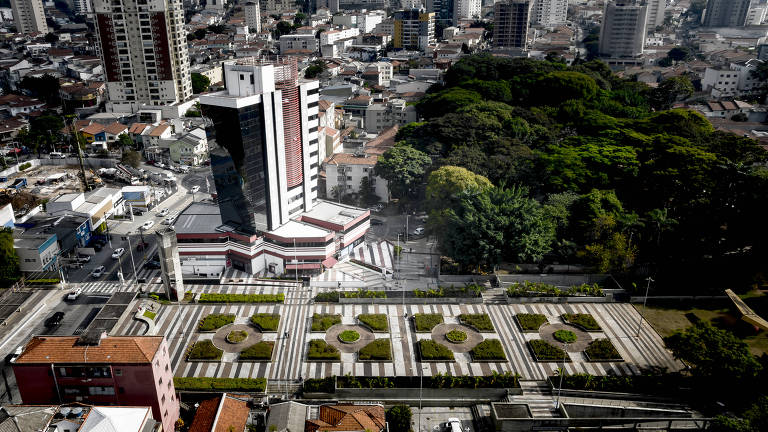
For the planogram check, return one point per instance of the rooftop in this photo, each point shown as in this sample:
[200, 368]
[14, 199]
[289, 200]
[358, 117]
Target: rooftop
[221, 414]
[339, 214]
[198, 218]
[295, 229]
[111, 349]
[351, 159]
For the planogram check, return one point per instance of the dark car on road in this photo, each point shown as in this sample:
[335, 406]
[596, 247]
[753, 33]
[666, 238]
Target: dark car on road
[152, 264]
[54, 320]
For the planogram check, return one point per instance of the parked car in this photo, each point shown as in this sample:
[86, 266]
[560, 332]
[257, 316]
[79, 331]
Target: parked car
[152, 264]
[147, 225]
[10, 358]
[162, 213]
[98, 271]
[117, 253]
[418, 231]
[75, 293]
[84, 258]
[195, 189]
[137, 211]
[54, 320]
[169, 220]
[159, 164]
[376, 222]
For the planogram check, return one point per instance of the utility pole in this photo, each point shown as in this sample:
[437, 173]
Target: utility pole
[642, 313]
[76, 136]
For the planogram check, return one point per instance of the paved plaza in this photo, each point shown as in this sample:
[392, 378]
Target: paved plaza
[289, 361]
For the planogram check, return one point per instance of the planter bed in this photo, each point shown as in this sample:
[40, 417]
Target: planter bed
[319, 350]
[249, 385]
[378, 350]
[541, 289]
[488, 350]
[456, 336]
[543, 351]
[363, 294]
[376, 322]
[479, 322]
[266, 322]
[349, 336]
[437, 381]
[585, 322]
[241, 298]
[430, 351]
[654, 383]
[602, 350]
[261, 351]
[204, 350]
[327, 297]
[530, 323]
[322, 322]
[319, 385]
[213, 322]
[424, 323]
[237, 336]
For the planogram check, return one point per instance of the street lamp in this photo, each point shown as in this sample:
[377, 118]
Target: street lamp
[133, 263]
[421, 390]
[562, 372]
[642, 313]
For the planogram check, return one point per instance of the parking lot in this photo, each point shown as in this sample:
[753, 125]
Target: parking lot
[434, 419]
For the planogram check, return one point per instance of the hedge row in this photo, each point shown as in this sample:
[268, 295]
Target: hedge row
[241, 298]
[376, 322]
[481, 322]
[380, 349]
[221, 384]
[265, 321]
[259, 351]
[215, 321]
[437, 381]
[322, 322]
[320, 350]
[426, 322]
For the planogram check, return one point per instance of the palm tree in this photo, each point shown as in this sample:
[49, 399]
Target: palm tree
[663, 222]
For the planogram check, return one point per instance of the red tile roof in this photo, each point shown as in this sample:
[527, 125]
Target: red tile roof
[213, 415]
[347, 418]
[112, 349]
[116, 128]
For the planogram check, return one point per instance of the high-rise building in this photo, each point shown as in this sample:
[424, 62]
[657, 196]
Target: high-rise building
[414, 29]
[510, 24]
[656, 10]
[143, 47]
[624, 27]
[265, 156]
[253, 16]
[216, 5]
[466, 9]
[28, 16]
[549, 13]
[726, 13]
[82, 7]
[443, 9]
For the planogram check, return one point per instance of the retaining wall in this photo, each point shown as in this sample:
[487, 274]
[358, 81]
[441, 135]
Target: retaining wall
[412, 300]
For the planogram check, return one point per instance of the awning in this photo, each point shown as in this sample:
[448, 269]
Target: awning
[330, 262]
[309, 266]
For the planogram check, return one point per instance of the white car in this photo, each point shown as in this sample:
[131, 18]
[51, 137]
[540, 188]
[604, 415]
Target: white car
[118, 253]
[98, 271]
[159, 165]
[195, 189]
[162, 213]
[169, 220]
[418, 231]
[147, 225]
[75, 293]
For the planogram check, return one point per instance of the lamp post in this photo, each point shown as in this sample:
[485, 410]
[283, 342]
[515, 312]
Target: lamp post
[421, 390]
[133, 263]
[642, 313]
[562, 372]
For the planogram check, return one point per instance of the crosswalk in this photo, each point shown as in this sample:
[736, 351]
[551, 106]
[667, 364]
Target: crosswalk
[349, 272]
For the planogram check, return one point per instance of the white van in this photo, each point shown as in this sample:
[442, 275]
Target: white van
[453, 425]
[56, 155]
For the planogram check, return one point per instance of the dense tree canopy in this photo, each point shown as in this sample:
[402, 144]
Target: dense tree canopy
[403, 167]
[9, 260]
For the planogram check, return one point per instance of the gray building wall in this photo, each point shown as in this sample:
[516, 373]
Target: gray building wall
[726, 13]
[623, 30]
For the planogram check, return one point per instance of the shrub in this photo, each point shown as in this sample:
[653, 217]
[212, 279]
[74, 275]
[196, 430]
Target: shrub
[237, 336]
[221, 384]
[426, 322]
[53, 281]
[319, 350]
[431, 350]
[259, 351]
[204, 350]
[241, 298]
[379, 349]
[349, 336]
[364, 293]
[565, 336]
[376, 322]
[547, 352]
[489, 349]
[322, 322]
[437, 381]
[215, 321]
[471, 290]
[149, 314]
[585, 321]
[602, 349]
[530, 322]
[481, 322]
[456, 336]
[399, 418]
[265, 321]
[324, 385]
[328, 296]
[541, 289]
[188, 296]
[649, 382]
[25, 166]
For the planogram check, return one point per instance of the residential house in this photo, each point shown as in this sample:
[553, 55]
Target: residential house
[344, 173]
[380, 116]
[19, 104]
[226, 413]
[95, 136]
[348, 418]
[113, 131]
[191, 149]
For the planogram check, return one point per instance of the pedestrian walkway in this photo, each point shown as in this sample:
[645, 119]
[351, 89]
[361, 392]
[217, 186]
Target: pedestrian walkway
[380, 254]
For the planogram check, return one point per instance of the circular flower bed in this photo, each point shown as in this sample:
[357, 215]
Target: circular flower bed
[565, 336]
[237, 336]
[349, 336]
[456, 336]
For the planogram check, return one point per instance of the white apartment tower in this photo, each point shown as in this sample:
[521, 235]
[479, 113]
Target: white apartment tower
[549, 13]
[624, 26]
[82, 7]
[143, 47]
[253, 16]
[466, 9]
[28, 16]
[656, 10]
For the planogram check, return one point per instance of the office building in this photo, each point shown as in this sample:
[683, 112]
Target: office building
[29, 16]
[143, 47]
[549, 13]
[466, 9]
[726, 13]
[443, 9]
[253, 16]
[624, 27]
[510, 24]
[656, 10]
[414, 29]
[100, 369]
[82, 7]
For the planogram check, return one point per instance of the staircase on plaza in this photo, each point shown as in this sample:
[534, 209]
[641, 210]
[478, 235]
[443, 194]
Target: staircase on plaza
[495, 296]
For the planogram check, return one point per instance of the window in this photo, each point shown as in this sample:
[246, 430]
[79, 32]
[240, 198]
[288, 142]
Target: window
[162, 399]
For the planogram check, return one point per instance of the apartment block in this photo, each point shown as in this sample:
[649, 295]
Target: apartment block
[414, 29]
[253, 15]
[726, 13]
[510, 24]
[624, 27]
[29, 16]
[549, 13]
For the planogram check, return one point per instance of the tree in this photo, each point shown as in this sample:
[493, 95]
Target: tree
[557, 87]
[670, 91]
[399, 418]
[124, 141]
[45, 87]
[283, 28]
[9, 260]
[51, 38]
[715, 354]
[367, 191]
[132, 158]
[402, 167]
[446, 184]
[316, 68]
[680, 54]
[200, 83]
[298, 19]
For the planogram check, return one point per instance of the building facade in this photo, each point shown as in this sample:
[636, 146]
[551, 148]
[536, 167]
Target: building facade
[253, 16]
[549, 13]
[29, 16]
[298, 44]
[466, 9]
[413, 29]
[726, 13]
[624, 27]
[655, 18]
[143, 46]
[101, 370]
[510, 24]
